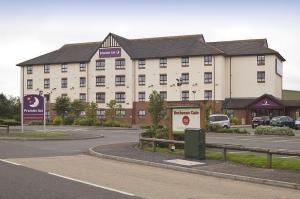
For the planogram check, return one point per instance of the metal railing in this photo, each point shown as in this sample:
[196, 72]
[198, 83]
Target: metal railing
[225, 148]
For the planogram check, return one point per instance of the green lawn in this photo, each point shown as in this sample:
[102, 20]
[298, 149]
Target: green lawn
[245, 158]
[33, 134]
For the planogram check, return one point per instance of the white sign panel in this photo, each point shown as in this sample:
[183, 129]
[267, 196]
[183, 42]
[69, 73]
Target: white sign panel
[185, 118]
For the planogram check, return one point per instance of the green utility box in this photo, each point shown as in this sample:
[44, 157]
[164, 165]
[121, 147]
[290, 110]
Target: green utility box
[194, 143]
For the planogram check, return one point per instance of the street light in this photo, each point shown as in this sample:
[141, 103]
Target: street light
[49, 104]
[179, 83]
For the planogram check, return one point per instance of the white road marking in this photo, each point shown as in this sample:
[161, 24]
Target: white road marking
[281, 141]
[10, 162]
[95, 185]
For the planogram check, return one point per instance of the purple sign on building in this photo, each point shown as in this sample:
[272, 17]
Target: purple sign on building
[109, 52]
[33, 107]
[266, 103]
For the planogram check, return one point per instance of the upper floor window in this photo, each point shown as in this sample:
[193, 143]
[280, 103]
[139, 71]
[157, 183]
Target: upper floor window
[163, 79]
[82, 66]
[207, 94]
[47, 68]
[100, 114]
[82, 97]
[261, 60]
[261, 77]
[120, 113]
[208, 77]
[185, 61]
[141, 63]
[163, 94]
[29, 84]
[120, 97]
[64, 68]
[142, 113]
[29, 69]
[163, 62]
[64, 95]
[185, 77]
[100, 64]
[46, 83]
[142, 80]
[64, 82]
[100, 80]
[142, 96]
[120, 64]
[185, 95]
[100, 97]
[207, 60]
[120, 80]
[82, 81]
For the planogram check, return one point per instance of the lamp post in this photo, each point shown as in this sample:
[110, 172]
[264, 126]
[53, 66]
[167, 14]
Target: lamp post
[179, 83]
[49, 104]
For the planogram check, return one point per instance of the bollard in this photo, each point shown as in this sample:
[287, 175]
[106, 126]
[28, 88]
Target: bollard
[225, 154]
[269, 160]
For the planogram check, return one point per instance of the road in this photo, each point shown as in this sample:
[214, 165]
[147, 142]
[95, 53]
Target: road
[61, 169]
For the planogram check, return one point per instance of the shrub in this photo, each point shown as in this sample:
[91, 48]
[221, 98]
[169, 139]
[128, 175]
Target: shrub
[178, 136]
[69, 121]
[10, 122]
[145, 126]
[272, 130]
[213, 128]
[57, 120]
[233, 130]
[234, 121]
[36, 123]
[87, 122]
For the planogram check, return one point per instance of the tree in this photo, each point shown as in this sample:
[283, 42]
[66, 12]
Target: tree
[110, 113]
[77, 106]
[62, 106]
[156, 107]
[91, 110]
[10, 107]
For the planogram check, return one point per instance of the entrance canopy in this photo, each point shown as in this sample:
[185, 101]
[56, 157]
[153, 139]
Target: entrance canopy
[266, 102]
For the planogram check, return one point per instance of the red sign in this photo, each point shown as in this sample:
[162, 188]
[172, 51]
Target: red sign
[185, 120]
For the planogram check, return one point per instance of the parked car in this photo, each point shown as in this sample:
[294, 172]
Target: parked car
[219, 119]
[263, 120]
[283, 121]
[297, 123]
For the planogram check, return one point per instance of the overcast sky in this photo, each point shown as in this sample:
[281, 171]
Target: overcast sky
[34, 27]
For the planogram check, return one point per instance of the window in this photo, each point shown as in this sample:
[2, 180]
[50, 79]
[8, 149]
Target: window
[185, 78]
[82, 66]
[29, 84]
[46, 68]
[120, 97]
[29, 69]
[185, 95]
[120, 80]
[120, 113]
[141, 113]
[163, 62]
[207, 95]
[261, 77]
[185, 61]
[100, 114]
[64, 68]
[207, 60]
[100, 64]
[163, 79]
[207, 78]
[82, 81]
[142, 96]
[142, 80]
[163, 94]
[100, 97]
[141, 63]
[82, 97]
[64, 82]
[120, 64]
[46, 83]
[260, 60]
[64, 95]
[100, 80]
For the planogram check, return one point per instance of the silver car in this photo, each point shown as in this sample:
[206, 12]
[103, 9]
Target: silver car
[297, 123]
[219, 119]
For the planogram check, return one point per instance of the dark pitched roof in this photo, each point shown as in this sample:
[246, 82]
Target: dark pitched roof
[174, 46]
[69, 53]
[237, 103]
[245, 47]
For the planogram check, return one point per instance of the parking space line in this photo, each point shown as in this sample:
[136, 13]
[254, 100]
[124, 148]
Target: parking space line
[91, 184]
[9, 162]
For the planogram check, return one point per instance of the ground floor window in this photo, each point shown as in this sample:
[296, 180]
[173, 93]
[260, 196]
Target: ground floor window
[142, 113]
[120, 113]
[207, 95]
[100, 114]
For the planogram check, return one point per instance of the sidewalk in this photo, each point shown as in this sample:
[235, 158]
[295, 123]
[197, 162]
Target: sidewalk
[129, 150]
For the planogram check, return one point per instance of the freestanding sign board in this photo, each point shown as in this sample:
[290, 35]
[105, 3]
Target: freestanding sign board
[185, 118]
[33, 107]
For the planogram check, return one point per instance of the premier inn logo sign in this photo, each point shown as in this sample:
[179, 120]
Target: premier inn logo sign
[109, 52]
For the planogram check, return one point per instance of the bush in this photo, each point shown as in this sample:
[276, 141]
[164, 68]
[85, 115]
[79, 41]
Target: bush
[69, 121]
[272, 130]
[233, 130]
[36, 123]
[57, 120]
[234, 121]
[87, 122]
[145, 126]
[213, 128]
[10, 122]
[178, 136]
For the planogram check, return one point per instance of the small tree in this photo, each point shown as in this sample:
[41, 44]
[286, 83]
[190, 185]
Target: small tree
[112, 109]
[62, 106]
[156, 107]
[91, 110]
[77, 106]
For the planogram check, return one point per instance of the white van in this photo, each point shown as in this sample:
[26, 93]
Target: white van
[219, 119]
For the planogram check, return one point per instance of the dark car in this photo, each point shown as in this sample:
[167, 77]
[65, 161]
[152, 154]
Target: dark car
[283, 121]
[263, 120]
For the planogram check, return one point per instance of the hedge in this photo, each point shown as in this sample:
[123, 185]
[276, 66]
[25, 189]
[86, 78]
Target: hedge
[273, 130]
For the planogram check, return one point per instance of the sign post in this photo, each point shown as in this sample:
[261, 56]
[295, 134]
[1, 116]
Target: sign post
[33, 108]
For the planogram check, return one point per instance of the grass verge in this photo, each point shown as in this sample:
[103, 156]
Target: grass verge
[33, 134]
[244, 158]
